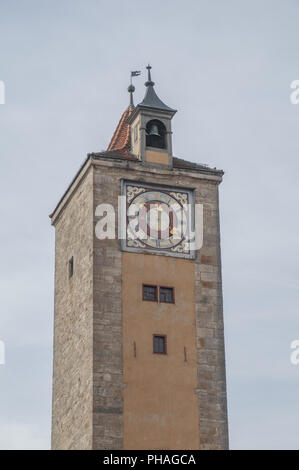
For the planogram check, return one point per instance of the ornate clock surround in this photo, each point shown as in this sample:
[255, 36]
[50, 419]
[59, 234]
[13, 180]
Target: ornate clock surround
[162, 217]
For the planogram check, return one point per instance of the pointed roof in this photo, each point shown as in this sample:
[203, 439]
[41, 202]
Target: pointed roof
[151, 100]
[121, 139]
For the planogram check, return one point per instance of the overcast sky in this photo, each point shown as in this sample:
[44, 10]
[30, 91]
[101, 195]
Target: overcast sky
[227, 67]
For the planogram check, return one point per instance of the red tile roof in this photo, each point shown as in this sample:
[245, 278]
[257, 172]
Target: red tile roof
[121, 139]
[120, 145]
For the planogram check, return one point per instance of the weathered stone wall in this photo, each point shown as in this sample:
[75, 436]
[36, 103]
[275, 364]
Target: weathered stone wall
[209, 325]
[88, 345]
[72, 367]
[107, 320]
[108, 359]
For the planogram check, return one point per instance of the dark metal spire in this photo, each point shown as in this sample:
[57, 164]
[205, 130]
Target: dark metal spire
[151, 100]
[149, 79]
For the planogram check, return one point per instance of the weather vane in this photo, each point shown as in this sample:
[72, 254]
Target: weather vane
[131, 88]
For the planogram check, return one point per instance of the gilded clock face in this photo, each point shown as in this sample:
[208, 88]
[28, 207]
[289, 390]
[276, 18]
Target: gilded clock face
[157, 219]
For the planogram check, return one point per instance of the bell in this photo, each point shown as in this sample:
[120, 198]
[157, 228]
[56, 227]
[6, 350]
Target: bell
[154, 130]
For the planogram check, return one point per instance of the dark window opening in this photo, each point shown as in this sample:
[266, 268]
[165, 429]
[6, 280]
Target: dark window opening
[150, 293]
[71, 267]
[156, 134]
[167, 295]
[160, 344]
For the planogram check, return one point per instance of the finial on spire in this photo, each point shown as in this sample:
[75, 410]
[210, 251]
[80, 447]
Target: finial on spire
[149, 78]
[131, 90]
[151, 99]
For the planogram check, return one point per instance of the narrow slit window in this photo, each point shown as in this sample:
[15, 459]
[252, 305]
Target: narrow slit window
[167, 295]
[149, 293]
[160, 344]
[71, 267]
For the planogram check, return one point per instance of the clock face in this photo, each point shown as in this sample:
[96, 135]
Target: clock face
[157, 220]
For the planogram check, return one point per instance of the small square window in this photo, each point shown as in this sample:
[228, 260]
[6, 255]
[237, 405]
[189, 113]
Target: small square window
[167, 295]
[160, 344]
[71, 267]
[150, 293]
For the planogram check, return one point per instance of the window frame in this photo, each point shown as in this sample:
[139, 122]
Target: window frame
[156, 296]
[166, 301]
[158, 335]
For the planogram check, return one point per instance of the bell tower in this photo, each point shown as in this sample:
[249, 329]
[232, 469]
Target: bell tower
[139, 357]
[151, 136]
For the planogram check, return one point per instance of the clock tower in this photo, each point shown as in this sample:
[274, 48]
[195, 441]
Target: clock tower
[138, 326]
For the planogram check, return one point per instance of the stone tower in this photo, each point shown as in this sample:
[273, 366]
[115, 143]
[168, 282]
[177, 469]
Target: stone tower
[138, 331]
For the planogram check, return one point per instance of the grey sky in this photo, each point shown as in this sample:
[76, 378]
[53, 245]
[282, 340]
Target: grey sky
[227, 68]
